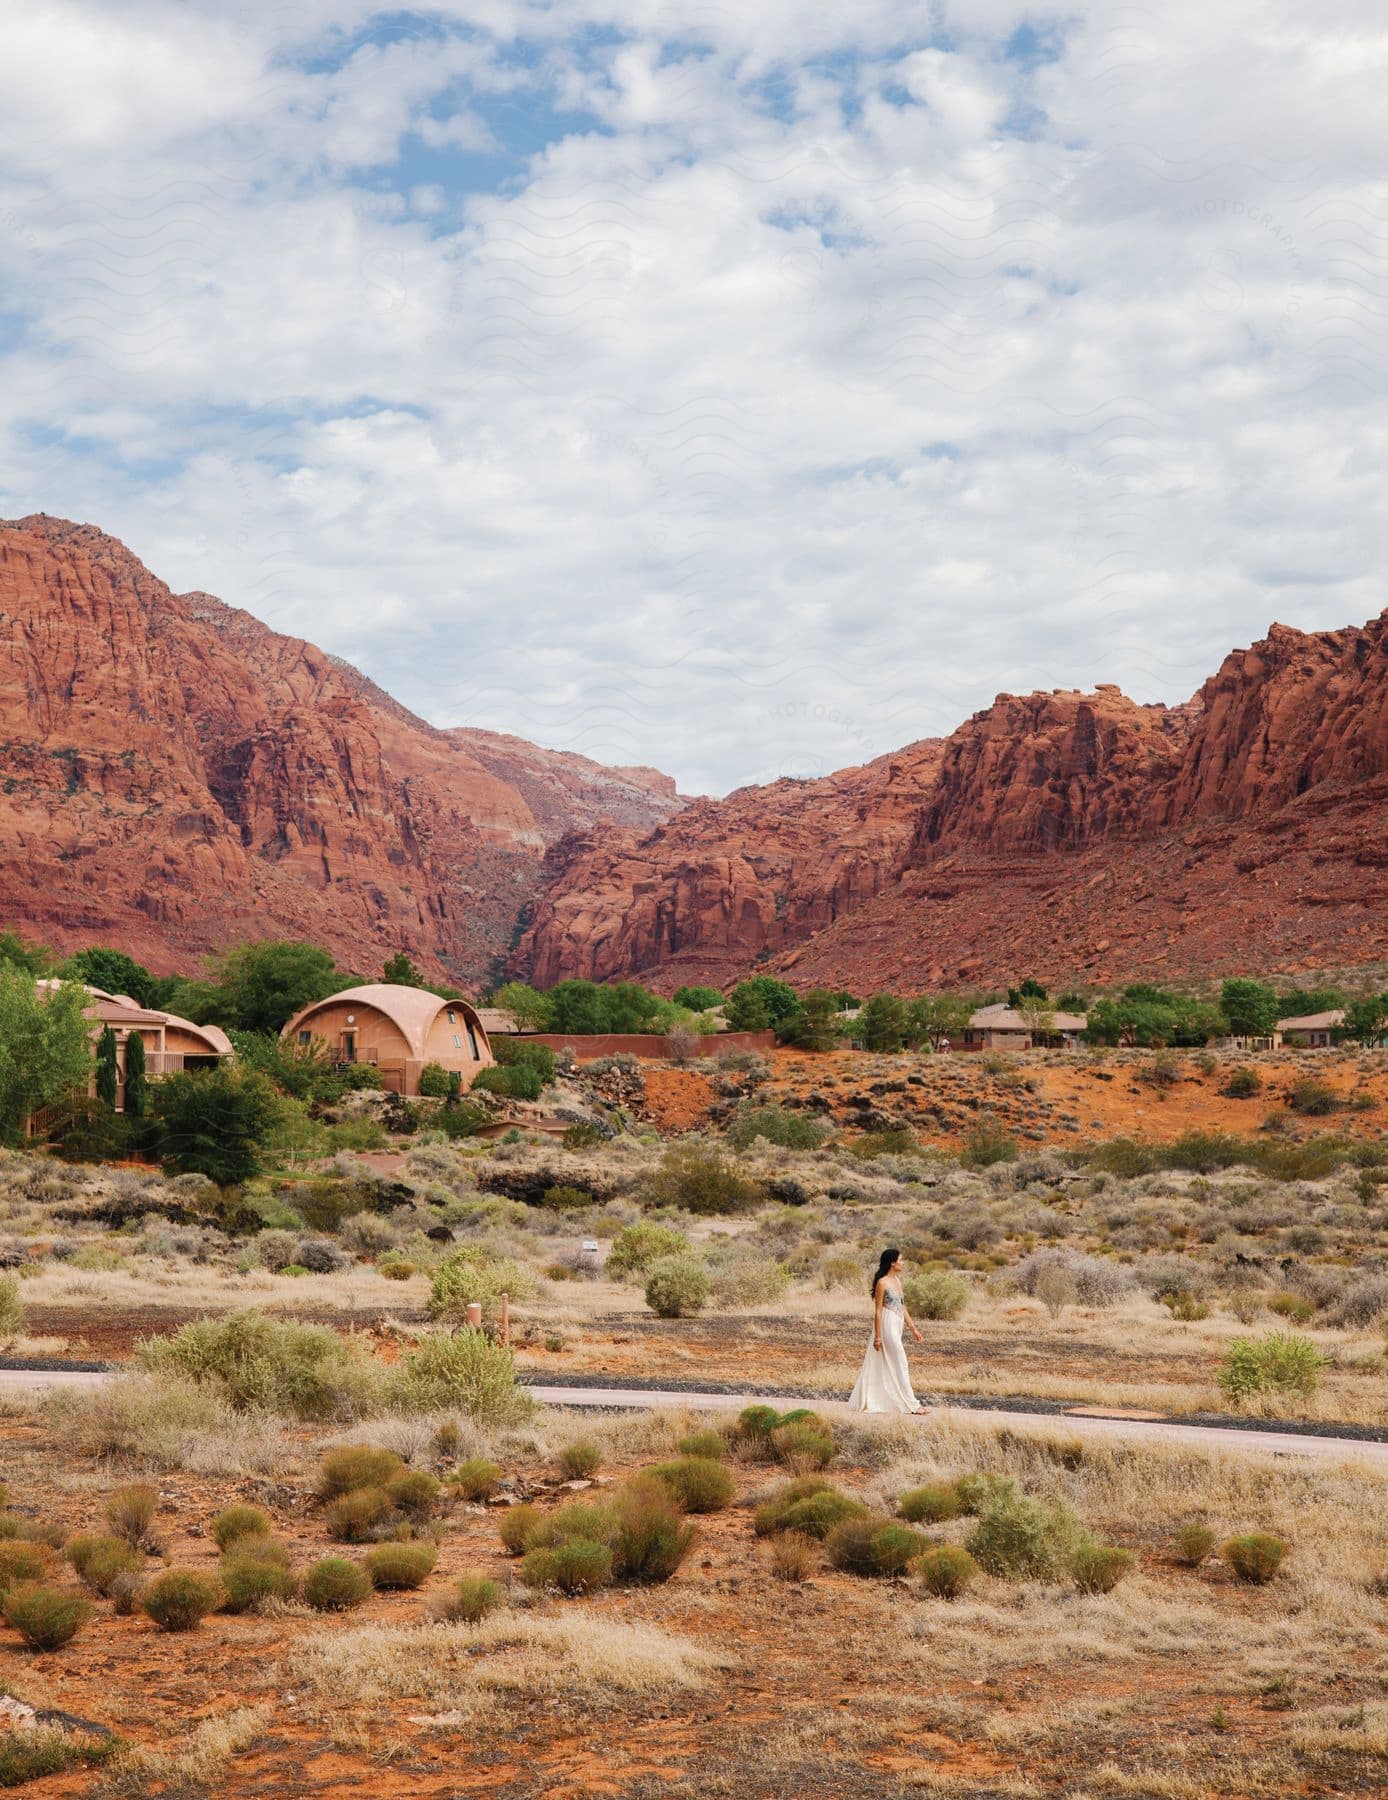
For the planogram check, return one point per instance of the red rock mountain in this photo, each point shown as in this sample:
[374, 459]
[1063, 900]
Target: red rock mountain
[175, 777]
[1075, 836]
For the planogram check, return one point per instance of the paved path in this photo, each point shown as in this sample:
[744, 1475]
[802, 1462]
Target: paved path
[1087, 1424]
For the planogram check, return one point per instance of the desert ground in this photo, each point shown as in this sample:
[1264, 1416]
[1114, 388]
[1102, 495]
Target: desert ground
[1109, 1231]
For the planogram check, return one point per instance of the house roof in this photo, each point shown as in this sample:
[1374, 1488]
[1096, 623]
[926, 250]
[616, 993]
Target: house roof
[120, 1009]
[214, 1034]
[496, 1020]
[1005, 1018]
[411, 1010]
[1321, 1021]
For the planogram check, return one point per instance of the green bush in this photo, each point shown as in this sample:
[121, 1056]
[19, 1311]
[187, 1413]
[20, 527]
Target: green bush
[45, 1617]
[513, 1053]
[1313, 1099]
[336, 1585]
[460, 1118]
[11, 1308]
[567, 1199]
[1243, 1084]
[130, 1513]
[519, 1527]
[214, 1122]
[354, 1518]
[516, 1083]
[436, 1082]
[101, 1562]
[649, 1540]
[636, 1247]
[699, 1178]
[461, 1371]
[1193, 1544]
[21, 1561]
[574, 1568]
[703, 1443]
[475, 1478]
[181, 1599]
[249, 1577]
[870, 1545]
[815, 1514]
[401, 1565]
[986, 1143]
[470, 1277]
[931, 1504]
[29, 1755]
[804, 1444]
[945, 1571]
[1098, 1568]
[755, 1425]
[777, 1125]
[1254, 1557]
[935, 1294]
[472, 1598]
[357, 1466]
[258, 1363]
[415, 1494]
[1024, 1539]
[580, 1459]
[676, 1286]
[699, 1483]
[1278, 1362]
[976, 1491]
[239, 1522]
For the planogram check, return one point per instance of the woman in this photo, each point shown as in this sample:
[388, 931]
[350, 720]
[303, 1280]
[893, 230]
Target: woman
[885, 1383]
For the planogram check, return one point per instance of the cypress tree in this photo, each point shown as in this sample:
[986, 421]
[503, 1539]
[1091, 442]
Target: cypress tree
[107, 1075]
[136, 1081]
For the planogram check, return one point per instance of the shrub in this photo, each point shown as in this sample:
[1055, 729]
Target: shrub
[239, 1522]
[130, 1513]
[213, 1122]
[636, 1247]
[44, 1617]
[755, 1425]
[580, 1459]
[1193, 1544]
[357, 1466]
[1313, 1099]
[353, 1518]
[676, 1286]
[415, 1494]
[804, 1444]
[574, 1568]
[470, 1600]
[1255, 1557]
[1092, 1280]
[519, 1526]
[1243, 1084]
[516, 1083]
[1021, 1538]
[475, 1478]
[465, 1371]
[931, 1504]
[320, 1256]
[777, 1125]
[336, 1585]
[11, 1308]
[401, 1565]
[945, 1571]
[21, 1561]
[436, 1082]
[249, 1577]
[180, 1599]
[700, 1484]
[936, 1294]
[304, 1371]
[794, 1557]
[895, 1547]
[703, 1443]
[396, 1268]
[818, 1514]
[649, 1538]
[1098, 1568]
[1278, 1362]
[746, 1279]
[699, 1178]
[27, 1756]
[974, 1492]
[567, 1199]
[986, 1143]
[866, 1544]
[101, 1561]
[470, 1277]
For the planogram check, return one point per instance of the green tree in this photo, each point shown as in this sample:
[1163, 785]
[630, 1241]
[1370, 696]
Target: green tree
[577, 1007]
[937, 1018]
[815, 1026]
[45, 1047]
[626, 1006]
[1366, 1019]
[113, 971]
[1251, 1008]
[1038, 1014]
[530, 1010]
[698, 999]
[764, 999]
[214, 1122]
[107, 1068]
[1299, 1003]
[882, 1024]
[401, 972]
[35, 959]
[136, 1081]
[259, 987]
[1030, 989]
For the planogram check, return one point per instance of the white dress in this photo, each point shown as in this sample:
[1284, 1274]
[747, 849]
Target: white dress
[885, 1383]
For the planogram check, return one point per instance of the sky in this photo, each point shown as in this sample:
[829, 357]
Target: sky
[742, 389]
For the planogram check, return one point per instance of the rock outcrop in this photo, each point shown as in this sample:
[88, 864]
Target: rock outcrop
[1076, 836]
[175, 777]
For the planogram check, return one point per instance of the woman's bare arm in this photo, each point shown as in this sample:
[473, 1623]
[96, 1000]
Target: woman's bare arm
[877, 1294]
[911, 1322]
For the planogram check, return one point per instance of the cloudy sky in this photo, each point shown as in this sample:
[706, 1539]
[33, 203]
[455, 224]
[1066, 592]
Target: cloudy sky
[741, 388]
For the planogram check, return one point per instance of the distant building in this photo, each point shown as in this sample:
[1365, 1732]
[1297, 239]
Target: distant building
[397, 1030]
[1313, 1031]
[171, 1044]
[497, 1022]
[1002, 1027]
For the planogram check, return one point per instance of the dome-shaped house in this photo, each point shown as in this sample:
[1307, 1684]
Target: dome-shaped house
[398, 1030]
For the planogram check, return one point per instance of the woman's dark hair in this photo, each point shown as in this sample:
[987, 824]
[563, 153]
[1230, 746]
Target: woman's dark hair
[888, 1258]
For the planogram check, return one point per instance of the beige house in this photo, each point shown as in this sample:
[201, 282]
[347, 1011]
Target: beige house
[397, 1030]
[1000, 1027]
[171, 1044]
[1313, 1031]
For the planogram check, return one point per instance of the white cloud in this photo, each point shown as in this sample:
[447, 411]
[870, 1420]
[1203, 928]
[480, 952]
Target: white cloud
[839, 376]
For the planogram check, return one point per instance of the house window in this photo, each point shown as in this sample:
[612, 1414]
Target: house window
[452, 1021]
[457, 1041]
[472, 1039]
[305, 1037]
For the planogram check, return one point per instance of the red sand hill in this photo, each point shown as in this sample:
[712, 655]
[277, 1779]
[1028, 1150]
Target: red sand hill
[1074, 836]
[174, 777]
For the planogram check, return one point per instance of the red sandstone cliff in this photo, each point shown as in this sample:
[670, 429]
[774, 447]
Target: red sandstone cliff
[175, 777]
[1077, 836]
